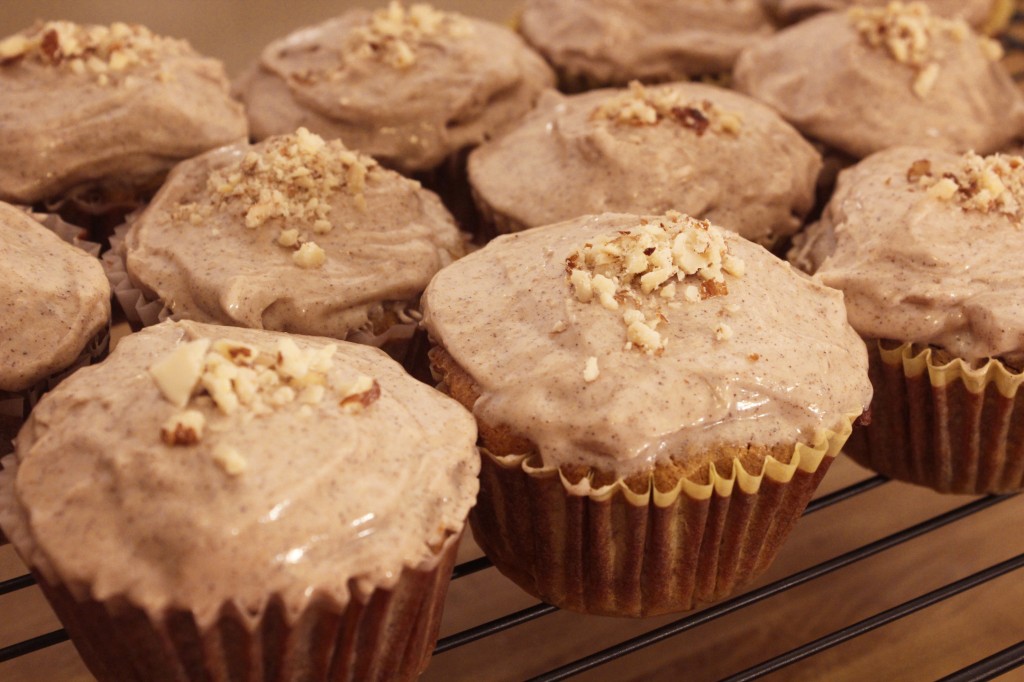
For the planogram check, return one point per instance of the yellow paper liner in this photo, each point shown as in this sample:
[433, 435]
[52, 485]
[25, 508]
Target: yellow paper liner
[948, 426]
[613, 551]
[386, 635]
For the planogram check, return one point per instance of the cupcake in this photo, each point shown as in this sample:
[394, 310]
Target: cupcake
[220, 503]
[873, 78]
[921, 242]
[54, 314]
[411, 87]
[703, 150]
[597, 43]
[984, 15]
[656, 398]
[292, 234]
[93, 117]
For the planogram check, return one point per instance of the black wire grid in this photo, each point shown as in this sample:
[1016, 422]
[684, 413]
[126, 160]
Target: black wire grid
[985, 669]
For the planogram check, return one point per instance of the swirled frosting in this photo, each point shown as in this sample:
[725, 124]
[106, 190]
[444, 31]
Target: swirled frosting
[328, 498]
[744, 350]
[699, 149]
[922, 244]
[54, 298]
[292, 234]
[410, 87]
[111, 106]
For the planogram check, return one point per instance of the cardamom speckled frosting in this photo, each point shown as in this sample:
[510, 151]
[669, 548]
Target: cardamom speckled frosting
[610, 42]
[87, 106]
[292, 234]
[696, 148]
[974, 12]
[872, 78]
[702, 339]
[408, 86]
[201, 466]
[922, 242]
[54, 298]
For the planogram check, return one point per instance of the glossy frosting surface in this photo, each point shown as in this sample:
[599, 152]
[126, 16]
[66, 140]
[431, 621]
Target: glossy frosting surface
[767, 363]
[564, 160]
[54, 298]
[461, 86]
[192, 248]
[916, 267]
[62, 127]
[327, 496]
[611, 42]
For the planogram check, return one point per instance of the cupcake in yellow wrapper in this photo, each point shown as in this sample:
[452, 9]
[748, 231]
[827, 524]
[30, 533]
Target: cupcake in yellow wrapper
[921, 243]
[657, 400]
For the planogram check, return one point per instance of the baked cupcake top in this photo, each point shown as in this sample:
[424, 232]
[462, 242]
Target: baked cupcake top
[872, 78]
[54, 298]
[611, 42]
[85, 105]
[922, 244]
[409, 86]
[232, 466]
[700, 149]
[291, 234]
[620, 342]
[975, 12]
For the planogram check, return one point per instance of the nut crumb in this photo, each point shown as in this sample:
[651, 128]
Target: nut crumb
[754, 357]
[395, 34]
[229, 460]
[723, 332]
[591, 370]
[360, 394]
[649, 106]
[183, 428]
[309, 255]
[987, 184]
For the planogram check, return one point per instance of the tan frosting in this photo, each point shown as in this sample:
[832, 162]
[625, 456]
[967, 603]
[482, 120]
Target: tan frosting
[409, 91]
[922, 261]
[118, 105]
[974, 12]
[611, 42]
[292, 234]
[327, 496]
[766, 359]
[832, 80]
[54, 298]
[649, 150]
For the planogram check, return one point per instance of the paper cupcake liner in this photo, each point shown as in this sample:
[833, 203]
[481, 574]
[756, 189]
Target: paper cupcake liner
[386, 635]
[613, 551]
[948, 426]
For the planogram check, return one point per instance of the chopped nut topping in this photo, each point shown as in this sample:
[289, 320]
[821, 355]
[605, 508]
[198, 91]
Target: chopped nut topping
[634, 268]
[290, 179]
[362, 393]
[100, 52]
[184, 428]
[641, 106]
[178, 374]
[909, 34]
[723, 332]
[591, 370]
[988, 184]
[395, 33]
[229, 459]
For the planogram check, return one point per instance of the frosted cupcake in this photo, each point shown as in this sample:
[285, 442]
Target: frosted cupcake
[921, 243]
[93, 117]
[872, 78]
[657, 400]
[258, 505]
[700, 149]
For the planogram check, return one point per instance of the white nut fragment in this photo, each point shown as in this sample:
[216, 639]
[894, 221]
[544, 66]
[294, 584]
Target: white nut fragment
[591, 370]
[309, 256]
[288, 238]
[183, 428]
[359, 394]
[229, 460]
[178, 374]
[640, 334]
[723, 332]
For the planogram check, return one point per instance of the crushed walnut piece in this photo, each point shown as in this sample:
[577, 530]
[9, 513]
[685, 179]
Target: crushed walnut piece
[643, 106]
[632, 269]
[290, 180]
[590, 370]
[100, 52]
[910, 34]
[987, 184]
[394, 34]
[183, 428]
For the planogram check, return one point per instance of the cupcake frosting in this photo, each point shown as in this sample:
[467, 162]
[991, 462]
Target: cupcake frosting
[407, 86]
[619, 341]
[922, 244]
[700, 149]
[975, 12]
[54, 298]
[611, 42]
[86, 105]
[203, 466]
[872, 78]
[292, 234]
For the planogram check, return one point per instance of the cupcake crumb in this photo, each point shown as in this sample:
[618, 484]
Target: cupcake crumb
[591, 371]
[642, 106]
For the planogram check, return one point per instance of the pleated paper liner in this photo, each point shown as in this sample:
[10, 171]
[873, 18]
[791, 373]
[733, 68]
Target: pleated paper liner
[612, 550]
[943, 424]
